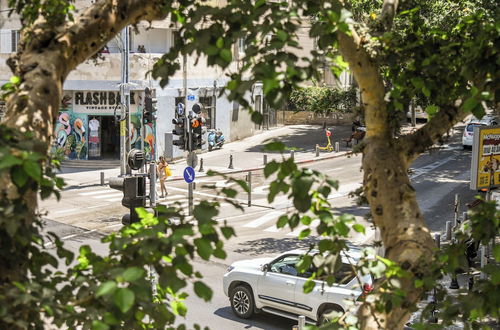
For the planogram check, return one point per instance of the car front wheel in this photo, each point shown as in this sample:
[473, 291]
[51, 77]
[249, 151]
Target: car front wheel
[242, 302]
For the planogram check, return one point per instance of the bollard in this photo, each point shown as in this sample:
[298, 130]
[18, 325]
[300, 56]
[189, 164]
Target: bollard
[102, 178]
[317, 150]
[201, 165]
[152, 184]
[302, 322]
[464, 216]
[230, 162]
[194, 185]
[249, 179]
[437, 239]
[265, 159]
[471, 282]
[448, 230]
[454, 282]
[337, 146]
[292, 154]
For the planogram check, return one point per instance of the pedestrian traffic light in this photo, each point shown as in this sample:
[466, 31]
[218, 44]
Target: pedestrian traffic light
[149, 113]
[134, 195]
[135, 159]
[180, 130]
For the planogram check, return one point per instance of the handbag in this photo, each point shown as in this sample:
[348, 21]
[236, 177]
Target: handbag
[168, 172]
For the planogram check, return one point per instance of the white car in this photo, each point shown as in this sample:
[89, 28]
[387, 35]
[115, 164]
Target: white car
[468, 135]
[273, 285]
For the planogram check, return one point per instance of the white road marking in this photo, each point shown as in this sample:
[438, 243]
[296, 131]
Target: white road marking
[96, 206]
[431, 167]
[66, 211]
[97, 192]
[263, 219]
[297, 231]
[116, 194]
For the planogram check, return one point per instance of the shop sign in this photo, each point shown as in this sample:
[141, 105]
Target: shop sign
[485, 169]
[100, 102]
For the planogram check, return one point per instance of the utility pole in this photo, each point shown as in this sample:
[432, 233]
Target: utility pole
[125, 101]
[187, 125]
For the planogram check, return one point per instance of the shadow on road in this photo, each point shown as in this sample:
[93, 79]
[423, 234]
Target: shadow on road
[258, 321]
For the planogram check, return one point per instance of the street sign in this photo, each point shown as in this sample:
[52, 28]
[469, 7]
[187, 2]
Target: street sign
[485, 169]
[180, 109]
[189, 174]
[191, 97]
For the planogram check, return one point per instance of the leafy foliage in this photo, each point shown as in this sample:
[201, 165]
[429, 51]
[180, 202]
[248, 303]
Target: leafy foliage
[323, 99]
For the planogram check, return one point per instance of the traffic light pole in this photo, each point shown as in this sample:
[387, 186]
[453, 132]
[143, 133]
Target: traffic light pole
[125, 101]
[187, 125]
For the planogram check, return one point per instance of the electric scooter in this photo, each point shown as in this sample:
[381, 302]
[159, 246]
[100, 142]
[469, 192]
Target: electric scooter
[215, 139]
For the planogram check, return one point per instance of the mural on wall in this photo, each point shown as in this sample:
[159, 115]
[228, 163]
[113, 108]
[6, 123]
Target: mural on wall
[70, 135]
[136, 136]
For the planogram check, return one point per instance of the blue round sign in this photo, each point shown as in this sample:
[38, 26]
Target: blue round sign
[191, 97]
[189, 174]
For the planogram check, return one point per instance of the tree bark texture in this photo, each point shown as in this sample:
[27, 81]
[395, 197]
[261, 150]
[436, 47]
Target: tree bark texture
[46, 56]
[387, 187]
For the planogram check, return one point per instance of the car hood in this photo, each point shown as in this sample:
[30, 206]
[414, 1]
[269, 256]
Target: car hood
[251, 263]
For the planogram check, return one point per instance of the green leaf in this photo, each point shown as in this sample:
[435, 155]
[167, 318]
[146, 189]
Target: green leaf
[132, 274]
[124, 299]
[274, 146]
[98, 325]
[496, 252]
[309, 286]
[282, 221]
[304, 233]
[226, 55]
[270, 168]
[106, 288]
[15, 80]
[432, 110]
[418, 283]
[203, 247]
[269, 84]
[219, 43]
[178, 307]
[19, 177]
[282, 35]
[33, 169]
[203, 291]
[417, 82]
[358, 228]
[228, 232]
[426, 91]
[470, 104]
[9, 161]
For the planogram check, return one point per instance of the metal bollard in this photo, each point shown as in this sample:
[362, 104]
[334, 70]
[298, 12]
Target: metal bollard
[152, 184]
[484, 261]
[317, 150]
[249, 179]
[437, 239]
[464, 216]
[448, 230]
[337, 146]
[230, 162]
[457, 209]
[454, 282]
[201, 165]
[102, 178]
[265, 159]
[292, 154]
[302, 322]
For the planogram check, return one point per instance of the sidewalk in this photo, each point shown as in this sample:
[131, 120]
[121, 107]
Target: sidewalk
[247, 154]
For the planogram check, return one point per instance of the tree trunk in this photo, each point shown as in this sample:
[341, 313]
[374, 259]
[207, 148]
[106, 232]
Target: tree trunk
[387, 187]
[43, 62]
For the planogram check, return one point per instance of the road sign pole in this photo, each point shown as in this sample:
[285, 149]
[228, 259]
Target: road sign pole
[190, 198]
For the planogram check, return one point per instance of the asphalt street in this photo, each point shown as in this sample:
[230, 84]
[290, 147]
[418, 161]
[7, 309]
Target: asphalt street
[85, 214]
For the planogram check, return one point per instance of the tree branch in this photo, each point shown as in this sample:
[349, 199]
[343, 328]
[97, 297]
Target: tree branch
[389, 9]
[418, 142]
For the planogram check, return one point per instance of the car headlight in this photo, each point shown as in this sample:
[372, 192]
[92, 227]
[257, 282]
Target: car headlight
[230, 268]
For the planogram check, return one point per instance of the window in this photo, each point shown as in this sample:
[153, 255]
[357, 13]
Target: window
[207, 110]
[14, 40]
[286, 265]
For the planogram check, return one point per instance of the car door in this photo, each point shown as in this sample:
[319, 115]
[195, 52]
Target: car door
[321, 293]
[276, 287]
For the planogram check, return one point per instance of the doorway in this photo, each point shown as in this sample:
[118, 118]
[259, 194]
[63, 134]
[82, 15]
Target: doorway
[110, 137]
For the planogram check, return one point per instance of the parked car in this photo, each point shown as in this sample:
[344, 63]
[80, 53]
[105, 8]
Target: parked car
[468, 135]
[275, 286]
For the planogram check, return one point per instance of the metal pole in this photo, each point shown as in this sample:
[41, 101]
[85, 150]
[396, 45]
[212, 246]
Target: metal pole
[302, 322]
[448, 230]
[230, 162]
[292, 154]
[317, 150]
[201, 165]
[152, 184]
[249, 189]
[437, 239]
[190, 198]
[124, 101]
[457, 209]
[337, 146]
[265, 159]
[102, 178]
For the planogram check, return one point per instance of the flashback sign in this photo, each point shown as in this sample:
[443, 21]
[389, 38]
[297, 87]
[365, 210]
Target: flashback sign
[485, 168]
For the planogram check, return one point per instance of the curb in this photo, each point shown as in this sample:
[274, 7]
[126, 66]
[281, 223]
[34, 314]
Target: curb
[311, 160]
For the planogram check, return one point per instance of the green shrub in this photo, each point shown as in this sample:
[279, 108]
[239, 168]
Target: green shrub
[323, 100]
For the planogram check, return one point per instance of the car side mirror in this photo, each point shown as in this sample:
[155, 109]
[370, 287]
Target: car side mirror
[264, 268]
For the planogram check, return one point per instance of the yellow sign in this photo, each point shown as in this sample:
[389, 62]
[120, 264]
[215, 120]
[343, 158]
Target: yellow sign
[122, 127]
[485, 170]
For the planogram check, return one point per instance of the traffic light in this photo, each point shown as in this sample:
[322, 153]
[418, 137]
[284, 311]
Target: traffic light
[180, 130]
[149, 113]
[133, 187]
[197, 132]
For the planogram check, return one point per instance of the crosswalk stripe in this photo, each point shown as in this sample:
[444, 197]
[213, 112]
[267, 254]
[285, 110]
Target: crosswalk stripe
[97, 192]
[263, 219]
[116, 194]
[115, 199]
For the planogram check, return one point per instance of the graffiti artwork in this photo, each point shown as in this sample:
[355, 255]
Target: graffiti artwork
[70, 137]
